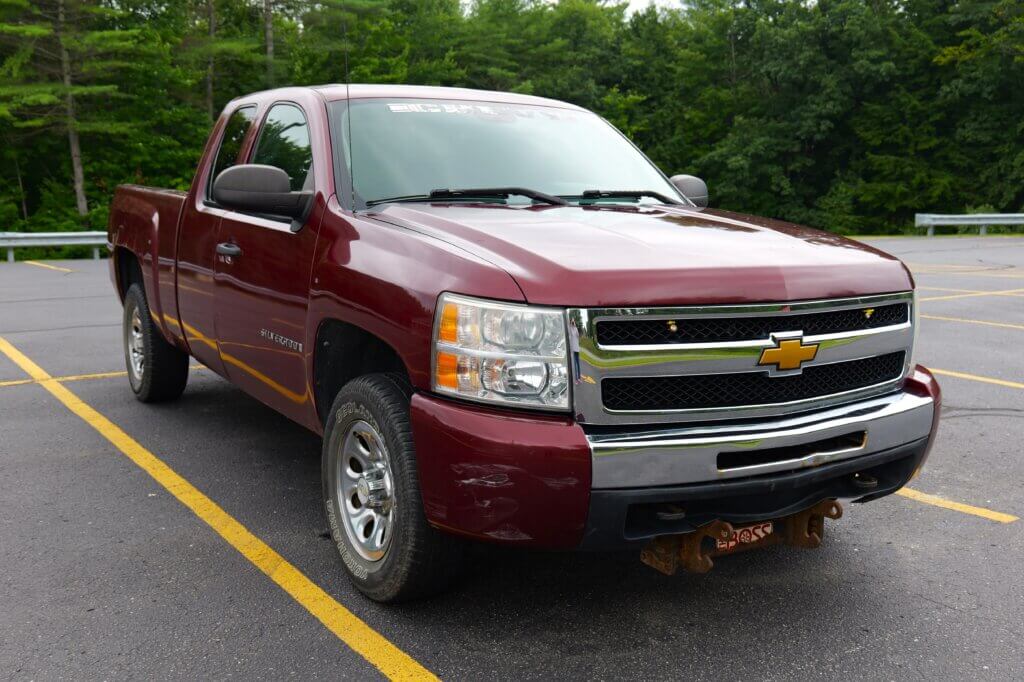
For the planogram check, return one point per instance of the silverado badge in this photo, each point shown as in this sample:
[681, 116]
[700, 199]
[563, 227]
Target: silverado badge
[788, 353]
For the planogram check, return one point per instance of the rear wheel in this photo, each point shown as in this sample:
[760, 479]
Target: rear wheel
[157, 371]
[372, 496]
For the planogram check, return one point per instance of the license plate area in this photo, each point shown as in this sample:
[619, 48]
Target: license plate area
[744, 536]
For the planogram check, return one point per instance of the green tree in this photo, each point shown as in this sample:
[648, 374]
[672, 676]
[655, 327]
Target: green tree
[984, 91]
[47, 69]
[850, 115]
[88, 73]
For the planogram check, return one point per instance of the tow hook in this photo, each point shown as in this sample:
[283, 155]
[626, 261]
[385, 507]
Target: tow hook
[693, 551]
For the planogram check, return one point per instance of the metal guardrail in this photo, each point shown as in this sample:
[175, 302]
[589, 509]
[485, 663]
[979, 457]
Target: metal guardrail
[982, 220]
[16, 240]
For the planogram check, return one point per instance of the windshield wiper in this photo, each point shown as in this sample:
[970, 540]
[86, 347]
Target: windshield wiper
[504, 192]
[482, 193]
[627, 194]
[398, 200]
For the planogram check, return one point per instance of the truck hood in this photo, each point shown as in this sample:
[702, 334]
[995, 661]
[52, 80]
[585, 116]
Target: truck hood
[628, 255]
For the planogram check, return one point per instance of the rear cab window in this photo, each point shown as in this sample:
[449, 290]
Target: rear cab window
[231, 142]
[284, 143]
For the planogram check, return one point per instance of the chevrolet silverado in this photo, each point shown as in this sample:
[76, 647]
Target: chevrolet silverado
[509, 326]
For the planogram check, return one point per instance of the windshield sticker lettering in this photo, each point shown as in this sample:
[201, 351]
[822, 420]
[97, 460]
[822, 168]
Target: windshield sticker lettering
[490, 110]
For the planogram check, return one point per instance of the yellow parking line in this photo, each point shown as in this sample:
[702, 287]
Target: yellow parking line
[975, 377]
[346, 626]
[959, 291]
[1007, 325]
[1004, 292]
[962, 291]
[75, 377]
[78, 377]
[956, 506]
[98, 375]
[946, 266]
[969, 273]
[46, 265]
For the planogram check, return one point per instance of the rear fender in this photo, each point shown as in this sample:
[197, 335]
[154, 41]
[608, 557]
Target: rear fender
[143, 223]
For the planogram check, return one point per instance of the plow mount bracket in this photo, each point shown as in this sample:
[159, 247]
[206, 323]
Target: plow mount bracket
[694, 551]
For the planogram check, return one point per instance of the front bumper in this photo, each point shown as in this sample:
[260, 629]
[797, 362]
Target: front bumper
[539, 480]
[718, 452]
[622, 518]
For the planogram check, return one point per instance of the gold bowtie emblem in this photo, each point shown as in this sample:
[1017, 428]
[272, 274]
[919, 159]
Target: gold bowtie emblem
[788, 354]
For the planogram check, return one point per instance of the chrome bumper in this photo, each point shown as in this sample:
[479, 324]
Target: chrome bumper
[691, 454]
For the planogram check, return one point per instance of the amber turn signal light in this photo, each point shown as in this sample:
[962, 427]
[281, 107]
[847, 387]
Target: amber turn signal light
[446, 370]
[448, 330]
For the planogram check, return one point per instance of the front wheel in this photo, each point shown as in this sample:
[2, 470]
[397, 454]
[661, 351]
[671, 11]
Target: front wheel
[157, 371]
[372, 497]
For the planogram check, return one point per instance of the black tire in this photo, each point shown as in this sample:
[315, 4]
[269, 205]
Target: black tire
[162, 371]
[418, 560]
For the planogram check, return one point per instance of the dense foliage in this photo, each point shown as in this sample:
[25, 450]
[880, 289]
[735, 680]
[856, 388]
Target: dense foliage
[850, 115]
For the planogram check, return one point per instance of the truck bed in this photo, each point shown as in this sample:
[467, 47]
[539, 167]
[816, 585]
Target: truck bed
[144, 220]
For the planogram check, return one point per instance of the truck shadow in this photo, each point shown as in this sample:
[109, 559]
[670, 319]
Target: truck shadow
[552, 609]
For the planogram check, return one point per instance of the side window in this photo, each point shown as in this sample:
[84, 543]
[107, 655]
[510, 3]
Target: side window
[231, 144]
[284, 142]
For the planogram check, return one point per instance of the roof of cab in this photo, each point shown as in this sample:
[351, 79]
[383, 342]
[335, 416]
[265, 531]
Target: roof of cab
[337, 91]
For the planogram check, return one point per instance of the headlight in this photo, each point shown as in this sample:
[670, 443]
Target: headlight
[500, 352]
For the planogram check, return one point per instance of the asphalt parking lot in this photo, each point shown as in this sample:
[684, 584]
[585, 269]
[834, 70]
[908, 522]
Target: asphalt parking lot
[114, 566]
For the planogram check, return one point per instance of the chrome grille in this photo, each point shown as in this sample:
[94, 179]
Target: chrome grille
[700, 363]
[745, 388]
[708, 330]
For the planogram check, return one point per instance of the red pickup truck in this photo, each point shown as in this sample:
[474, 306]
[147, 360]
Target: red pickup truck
[510, 326]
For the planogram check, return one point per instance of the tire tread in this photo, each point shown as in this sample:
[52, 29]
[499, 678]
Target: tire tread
[166, 367]
[428, 560]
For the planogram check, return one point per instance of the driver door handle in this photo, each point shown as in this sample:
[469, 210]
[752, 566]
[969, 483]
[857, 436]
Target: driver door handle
[229, 249]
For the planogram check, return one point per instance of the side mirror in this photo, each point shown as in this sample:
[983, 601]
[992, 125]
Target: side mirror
[693, 188]
[260, 189]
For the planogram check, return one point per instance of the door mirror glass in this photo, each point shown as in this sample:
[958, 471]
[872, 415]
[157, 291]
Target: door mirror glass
[693, 188]
[260, 189]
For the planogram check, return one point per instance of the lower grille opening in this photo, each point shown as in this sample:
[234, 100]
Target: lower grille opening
[740, 459]
[698, 391]
[692, 506]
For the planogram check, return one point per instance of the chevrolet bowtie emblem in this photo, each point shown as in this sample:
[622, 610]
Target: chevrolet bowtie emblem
[788, 354]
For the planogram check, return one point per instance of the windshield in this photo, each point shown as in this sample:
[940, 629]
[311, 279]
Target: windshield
[403, 148]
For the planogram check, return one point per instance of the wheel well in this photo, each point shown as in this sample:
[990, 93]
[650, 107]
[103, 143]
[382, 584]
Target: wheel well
[345, 352]
[129, 271]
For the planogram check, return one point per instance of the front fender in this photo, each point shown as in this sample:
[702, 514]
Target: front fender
[386, 280]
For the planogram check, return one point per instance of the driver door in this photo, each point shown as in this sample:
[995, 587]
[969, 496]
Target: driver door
[262, 277]
[197, 238]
